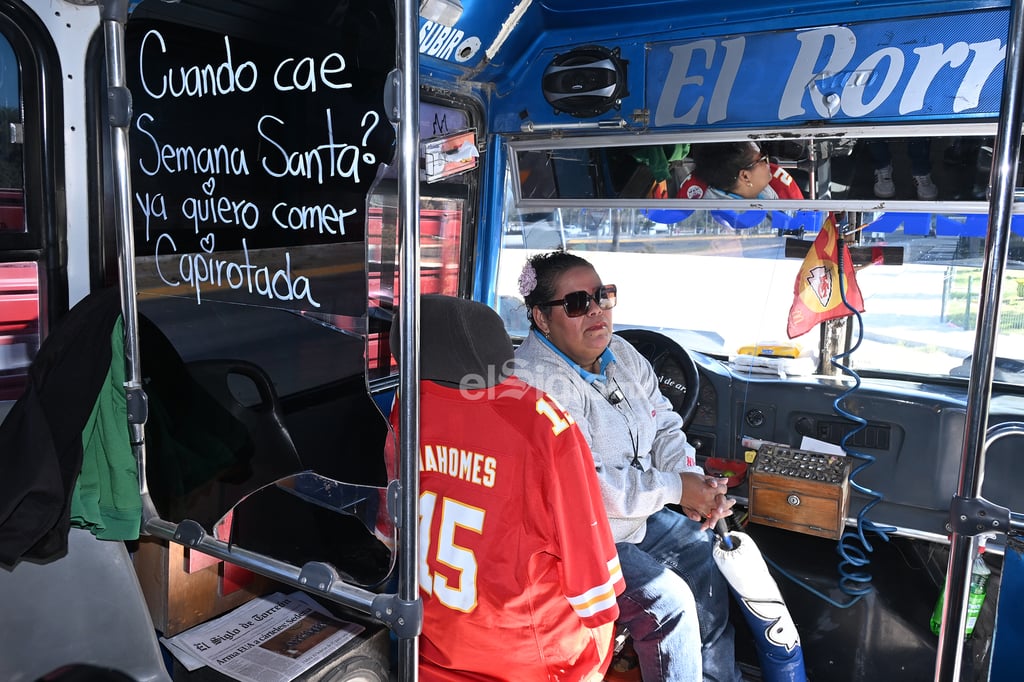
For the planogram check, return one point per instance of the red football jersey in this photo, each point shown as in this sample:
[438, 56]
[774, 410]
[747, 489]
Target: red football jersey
[517, 570]
[782, 182]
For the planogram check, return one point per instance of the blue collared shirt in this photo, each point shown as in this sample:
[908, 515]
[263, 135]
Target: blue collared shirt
[607, 357]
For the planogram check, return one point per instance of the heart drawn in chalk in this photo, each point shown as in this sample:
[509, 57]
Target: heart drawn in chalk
[206, 243]
[208, 186]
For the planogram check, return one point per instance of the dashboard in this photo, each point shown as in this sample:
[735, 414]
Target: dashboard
[907, 454]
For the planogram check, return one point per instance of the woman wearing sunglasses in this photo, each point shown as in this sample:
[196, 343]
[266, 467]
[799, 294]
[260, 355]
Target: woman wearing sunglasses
[676, 602]
[736, 170]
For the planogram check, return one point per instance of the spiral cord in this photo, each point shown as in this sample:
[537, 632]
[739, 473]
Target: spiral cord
[854, 547]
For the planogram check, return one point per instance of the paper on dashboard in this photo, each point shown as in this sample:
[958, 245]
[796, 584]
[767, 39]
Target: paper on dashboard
[824, 447]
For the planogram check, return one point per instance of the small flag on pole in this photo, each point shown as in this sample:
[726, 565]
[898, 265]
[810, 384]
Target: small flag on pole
[816, 294]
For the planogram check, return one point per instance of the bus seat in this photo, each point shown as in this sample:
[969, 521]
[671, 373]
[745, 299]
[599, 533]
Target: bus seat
[84, 611]
[215, 431]
[460, 339]
[463, 344]
[246, 391]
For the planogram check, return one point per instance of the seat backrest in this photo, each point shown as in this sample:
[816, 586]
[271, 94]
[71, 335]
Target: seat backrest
[462, 343]
[85, 608]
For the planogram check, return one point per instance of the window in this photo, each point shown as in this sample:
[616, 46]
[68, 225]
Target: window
[440, 257]
[19, 277]
[12, 170]
[443, 207]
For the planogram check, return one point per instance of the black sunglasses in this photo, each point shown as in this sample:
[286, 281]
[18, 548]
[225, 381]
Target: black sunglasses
[578, 302]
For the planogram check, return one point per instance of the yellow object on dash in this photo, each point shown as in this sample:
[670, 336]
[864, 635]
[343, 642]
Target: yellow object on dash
[773, 350]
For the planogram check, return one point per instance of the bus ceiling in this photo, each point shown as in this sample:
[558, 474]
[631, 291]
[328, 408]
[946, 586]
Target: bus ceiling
[673, 66]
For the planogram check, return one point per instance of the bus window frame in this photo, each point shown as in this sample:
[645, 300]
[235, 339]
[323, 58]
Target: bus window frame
[42, 171]
[464, 188]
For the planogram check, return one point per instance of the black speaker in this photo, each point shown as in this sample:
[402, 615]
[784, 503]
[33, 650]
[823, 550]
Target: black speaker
[586, 81]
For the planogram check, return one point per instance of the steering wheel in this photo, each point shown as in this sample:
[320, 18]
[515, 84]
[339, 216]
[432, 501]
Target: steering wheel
[676, 371]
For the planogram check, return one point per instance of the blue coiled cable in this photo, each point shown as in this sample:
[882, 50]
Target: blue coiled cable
[854, 580]
[854, 546]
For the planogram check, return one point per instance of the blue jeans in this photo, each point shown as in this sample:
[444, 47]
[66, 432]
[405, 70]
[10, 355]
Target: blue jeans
[675, 597]
[919, 150]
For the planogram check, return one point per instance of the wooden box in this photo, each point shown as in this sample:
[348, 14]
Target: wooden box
[184, 588]
[801, 491]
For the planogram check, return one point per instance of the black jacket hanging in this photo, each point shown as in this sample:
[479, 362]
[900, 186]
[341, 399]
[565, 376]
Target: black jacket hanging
[41, 438]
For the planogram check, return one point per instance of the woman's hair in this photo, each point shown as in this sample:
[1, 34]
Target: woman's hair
[547, 268]
[720, 163]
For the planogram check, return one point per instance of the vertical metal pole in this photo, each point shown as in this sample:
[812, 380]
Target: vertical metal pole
[409, 314]
[114, 15]
[812, 169]
[1003, 177]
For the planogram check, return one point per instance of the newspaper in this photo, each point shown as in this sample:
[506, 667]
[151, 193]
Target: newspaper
[269, 639]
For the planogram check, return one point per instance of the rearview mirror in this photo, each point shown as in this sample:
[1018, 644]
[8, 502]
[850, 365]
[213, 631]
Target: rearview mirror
[911, 168]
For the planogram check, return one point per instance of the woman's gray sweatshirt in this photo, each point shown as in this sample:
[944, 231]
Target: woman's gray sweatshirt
[640, 427]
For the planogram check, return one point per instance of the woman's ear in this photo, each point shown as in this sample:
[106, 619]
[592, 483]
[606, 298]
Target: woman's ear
[540, 320]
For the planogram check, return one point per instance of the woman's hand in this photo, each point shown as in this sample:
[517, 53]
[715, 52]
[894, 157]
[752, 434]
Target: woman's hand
[704, 499]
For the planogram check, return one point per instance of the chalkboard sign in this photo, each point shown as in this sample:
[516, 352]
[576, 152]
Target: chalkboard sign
[251, 161]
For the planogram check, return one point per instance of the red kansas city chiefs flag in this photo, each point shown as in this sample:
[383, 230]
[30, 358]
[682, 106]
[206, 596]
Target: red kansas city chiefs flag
[816, 293]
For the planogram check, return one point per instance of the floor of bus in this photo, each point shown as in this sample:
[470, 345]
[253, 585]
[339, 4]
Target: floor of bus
[884, 635]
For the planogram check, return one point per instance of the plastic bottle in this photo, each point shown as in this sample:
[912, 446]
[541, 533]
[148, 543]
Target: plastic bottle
[980, 573]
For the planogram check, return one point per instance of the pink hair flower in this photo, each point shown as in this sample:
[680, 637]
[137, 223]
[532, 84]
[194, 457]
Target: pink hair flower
[527, 280]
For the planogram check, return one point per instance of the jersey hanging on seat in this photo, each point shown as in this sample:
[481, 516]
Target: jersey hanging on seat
[518, 571]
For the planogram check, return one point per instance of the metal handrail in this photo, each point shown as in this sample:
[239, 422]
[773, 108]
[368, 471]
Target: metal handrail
[963, 546]
[113, 17]
[409, 313]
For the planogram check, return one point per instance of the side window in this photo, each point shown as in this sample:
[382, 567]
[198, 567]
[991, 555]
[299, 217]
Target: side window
[12, 169]
[444, 208]
[19, 273]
